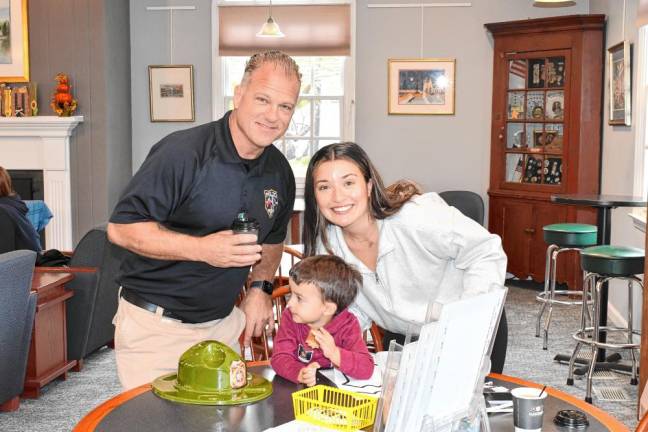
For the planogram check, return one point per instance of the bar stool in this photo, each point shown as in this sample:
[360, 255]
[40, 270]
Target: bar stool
[601, 264]
[560, 237]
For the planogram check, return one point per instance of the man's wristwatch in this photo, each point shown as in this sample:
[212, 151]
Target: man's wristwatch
[264, 285]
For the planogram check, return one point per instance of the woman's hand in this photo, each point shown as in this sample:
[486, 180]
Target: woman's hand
[327, 345]
[307, 374]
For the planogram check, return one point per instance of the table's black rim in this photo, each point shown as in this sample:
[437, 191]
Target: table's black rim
[595, 200]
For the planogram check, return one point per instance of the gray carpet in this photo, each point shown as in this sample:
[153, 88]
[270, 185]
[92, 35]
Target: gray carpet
[64, 403]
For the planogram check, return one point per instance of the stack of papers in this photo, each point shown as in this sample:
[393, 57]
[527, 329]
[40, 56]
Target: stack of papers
[438, 374]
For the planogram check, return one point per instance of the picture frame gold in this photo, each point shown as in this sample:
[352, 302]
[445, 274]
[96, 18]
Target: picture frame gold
[14, 41]
[421, 86]
[619, 84]
[171, 93]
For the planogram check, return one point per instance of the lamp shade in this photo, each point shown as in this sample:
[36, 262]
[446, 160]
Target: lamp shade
[270, 29]
[553, 3]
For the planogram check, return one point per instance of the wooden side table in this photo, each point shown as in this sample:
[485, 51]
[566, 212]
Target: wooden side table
[48, 349]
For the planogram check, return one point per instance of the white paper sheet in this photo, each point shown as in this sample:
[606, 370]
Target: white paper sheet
[299, 426]
[369, 386]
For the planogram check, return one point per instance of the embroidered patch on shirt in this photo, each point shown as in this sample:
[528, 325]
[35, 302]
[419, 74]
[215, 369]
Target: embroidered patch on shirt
[271, 201]
[303, 355]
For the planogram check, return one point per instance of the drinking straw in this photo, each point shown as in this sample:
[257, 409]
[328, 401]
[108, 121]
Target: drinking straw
[542, 391]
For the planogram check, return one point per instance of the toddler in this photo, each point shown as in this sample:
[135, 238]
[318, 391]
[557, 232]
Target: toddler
[316, 329]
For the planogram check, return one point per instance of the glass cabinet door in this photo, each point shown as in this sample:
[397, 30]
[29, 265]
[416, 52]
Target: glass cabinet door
[535, 120]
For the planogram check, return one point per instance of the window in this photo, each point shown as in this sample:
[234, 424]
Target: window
[319, 117]
[641, 134]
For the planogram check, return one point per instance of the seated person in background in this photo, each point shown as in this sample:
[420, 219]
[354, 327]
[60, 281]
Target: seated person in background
[317, 330]
[16, 232]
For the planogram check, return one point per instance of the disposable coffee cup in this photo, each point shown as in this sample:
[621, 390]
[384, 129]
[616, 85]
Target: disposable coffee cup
[243, 224]
[528, 409]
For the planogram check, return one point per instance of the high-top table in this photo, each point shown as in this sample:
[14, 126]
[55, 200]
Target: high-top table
[141, 410]
[604, 205]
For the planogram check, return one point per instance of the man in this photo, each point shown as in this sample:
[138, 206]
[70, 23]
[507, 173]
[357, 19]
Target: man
[186, 267]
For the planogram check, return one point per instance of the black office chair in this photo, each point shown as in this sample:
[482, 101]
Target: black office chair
[467, 202]
[471, 204]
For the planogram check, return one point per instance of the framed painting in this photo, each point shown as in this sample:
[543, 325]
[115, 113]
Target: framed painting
[620, 74]
[421, 86]
[14, 41]
[171, 93]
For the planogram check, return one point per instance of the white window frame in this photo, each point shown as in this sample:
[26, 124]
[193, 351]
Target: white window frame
[640, 186]
[348, 100]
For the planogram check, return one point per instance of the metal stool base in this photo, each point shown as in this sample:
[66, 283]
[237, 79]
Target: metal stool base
[548, 296]
[591, 336]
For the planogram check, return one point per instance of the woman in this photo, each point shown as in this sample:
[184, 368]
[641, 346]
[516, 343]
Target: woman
[411, 248]
[16, 232]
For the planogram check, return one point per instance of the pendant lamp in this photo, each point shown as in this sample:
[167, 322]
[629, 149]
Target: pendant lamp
[553, 3]
[270, 29]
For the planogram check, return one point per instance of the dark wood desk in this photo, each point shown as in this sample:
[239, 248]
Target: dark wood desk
[48, 350]
[604, 205]
[139, 409]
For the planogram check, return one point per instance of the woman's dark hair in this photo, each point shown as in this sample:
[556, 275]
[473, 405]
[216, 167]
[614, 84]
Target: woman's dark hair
[383, 202]
[6, 188]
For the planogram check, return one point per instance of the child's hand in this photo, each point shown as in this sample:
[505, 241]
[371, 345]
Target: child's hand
[327, 345]
[307, 374]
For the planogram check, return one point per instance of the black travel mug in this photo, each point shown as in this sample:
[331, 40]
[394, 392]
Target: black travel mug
[243, 224]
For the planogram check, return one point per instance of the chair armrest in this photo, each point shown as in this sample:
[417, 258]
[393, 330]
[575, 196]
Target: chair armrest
[65, 269]
[377, 336]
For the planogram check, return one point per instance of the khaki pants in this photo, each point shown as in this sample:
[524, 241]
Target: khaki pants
[148, 345]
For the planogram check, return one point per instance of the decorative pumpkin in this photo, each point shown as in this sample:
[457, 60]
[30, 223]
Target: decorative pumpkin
[63, 103]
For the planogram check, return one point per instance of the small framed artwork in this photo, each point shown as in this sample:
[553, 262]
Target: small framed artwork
[421, 86]
[536, 73]
[555, 105]
[171, 93]
[555, 71]
[620, 73]
[14, 41]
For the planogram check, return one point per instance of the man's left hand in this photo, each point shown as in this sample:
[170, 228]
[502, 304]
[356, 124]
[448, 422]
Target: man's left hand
[257, 307]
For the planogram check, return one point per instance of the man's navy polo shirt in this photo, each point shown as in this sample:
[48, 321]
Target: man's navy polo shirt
[194, 182]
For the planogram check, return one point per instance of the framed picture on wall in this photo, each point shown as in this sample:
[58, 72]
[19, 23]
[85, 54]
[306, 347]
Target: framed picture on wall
[620, 74]
[171, 93]
[421, 86]
[14, 41]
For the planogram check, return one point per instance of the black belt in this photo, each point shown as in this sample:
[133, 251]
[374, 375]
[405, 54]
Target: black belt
[133, 298]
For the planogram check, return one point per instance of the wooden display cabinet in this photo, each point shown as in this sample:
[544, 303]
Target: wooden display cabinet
[545, 133]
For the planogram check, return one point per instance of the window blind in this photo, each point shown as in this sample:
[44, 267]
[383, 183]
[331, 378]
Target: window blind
[311, 30]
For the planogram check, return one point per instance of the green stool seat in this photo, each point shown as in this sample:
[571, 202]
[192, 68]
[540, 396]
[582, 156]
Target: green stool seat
[609, 260]
[570, 234]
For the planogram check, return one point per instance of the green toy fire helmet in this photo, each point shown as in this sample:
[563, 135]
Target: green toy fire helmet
[211, 373]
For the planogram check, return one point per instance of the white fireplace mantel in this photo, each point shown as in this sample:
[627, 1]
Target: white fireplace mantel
[43, 143]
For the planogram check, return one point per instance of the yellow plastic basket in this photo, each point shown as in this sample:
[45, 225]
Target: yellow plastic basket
[334, 408]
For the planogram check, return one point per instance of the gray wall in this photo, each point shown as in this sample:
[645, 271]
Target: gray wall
[150, 45]
[618, 152]
[438, 152]
[428, 149]
[88, 40]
